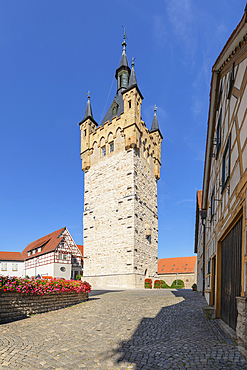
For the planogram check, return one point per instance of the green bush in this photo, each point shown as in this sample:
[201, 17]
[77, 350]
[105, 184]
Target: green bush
[157, 284]
[148, 283]
[177, 284]
[78, 277]
[164, 285]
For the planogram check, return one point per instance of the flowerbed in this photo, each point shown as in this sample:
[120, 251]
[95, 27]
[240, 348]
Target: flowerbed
[148, 283]
[42, 286]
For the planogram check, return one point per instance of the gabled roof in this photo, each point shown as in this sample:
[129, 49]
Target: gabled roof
[48, 244]
[11, 256]
[177, 265]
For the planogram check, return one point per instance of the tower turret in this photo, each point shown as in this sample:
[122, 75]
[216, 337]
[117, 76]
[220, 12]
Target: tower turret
[157, 140]
[87, 126]
[123, 71]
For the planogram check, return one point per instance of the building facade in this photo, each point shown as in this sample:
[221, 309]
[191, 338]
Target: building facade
[54, 255]
[11, 264]
[121, 160]
[222, 227]
[183, 268]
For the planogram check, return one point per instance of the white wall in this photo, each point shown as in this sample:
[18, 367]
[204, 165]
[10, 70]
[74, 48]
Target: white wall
[11, 268]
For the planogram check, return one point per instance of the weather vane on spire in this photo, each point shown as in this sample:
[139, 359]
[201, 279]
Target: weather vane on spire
[155, 108]
[88, 94]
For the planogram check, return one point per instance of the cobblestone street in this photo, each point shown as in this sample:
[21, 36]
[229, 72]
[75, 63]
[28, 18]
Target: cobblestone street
[134, 329]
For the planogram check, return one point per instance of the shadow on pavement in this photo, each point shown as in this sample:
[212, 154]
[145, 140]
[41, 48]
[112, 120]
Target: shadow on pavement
[179, 337]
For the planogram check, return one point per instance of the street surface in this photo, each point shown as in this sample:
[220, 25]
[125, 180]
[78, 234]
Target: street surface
[125, 329]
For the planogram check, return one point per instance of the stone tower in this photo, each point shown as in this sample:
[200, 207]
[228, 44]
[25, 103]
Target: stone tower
[121, 160]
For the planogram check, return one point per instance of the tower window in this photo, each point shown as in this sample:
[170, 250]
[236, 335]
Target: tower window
[85, 132]
[103, 151]
[111, 147]
[129, 103]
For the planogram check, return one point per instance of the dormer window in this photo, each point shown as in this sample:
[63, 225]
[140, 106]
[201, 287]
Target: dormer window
[29, 254]
[34, 251]
[39, 249]
[231, 82]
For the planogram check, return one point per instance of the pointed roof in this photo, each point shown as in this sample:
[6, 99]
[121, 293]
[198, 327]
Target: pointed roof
[155, 124]
[88, 112]
[124, 60]
[132, 80]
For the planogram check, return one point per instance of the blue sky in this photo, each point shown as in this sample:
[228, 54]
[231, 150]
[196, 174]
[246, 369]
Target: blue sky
[52, 53]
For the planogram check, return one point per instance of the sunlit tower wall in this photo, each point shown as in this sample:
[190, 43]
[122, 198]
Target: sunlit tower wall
[121, 160]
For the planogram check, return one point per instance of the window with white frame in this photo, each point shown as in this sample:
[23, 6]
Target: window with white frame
[60, 256]
[3, 266]
[14, 266]
[65, 256]
[29, 253]
[39, 249]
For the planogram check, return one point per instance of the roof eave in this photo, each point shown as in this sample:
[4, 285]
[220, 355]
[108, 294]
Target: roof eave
[131, 87]
[91, 119]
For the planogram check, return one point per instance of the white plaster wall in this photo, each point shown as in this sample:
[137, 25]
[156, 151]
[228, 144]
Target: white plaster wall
[10, 272]
[60, 274]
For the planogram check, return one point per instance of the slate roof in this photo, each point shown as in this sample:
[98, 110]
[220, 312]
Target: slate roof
[119, 100]
[89, 112]
[155, 123]
[11, 256]
[177, 265]
[48, 243]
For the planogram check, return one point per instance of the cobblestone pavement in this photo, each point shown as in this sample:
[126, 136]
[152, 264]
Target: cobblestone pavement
[134, 329]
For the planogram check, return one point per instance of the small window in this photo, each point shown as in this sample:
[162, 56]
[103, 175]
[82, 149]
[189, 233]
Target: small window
[231, 84]
[172, 269]
[65, 257]
[34, 251]
[213, 203]
[3, 266]
[163, 265]
[226, 164]
[219, 96]
[162, 270]
[209, 266]
[218, 133]
[39, 249]
[185, 269]
[111, 147]
[85, 132]
[129, 103]
[60, 256]
[103, 151]
[63, 269]
[29, 254]
[173, 265]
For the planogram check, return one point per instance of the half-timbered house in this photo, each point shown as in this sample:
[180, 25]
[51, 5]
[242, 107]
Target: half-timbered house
[55, 255]
[224, 205]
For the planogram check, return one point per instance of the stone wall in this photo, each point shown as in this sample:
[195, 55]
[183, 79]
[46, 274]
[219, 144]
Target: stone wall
[188, 279]
[15, 306]
[241, 329]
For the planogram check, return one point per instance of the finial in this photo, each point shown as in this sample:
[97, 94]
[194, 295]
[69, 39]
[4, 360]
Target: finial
[124, 44]
[88, 95]
[155, 109]
[133, 62]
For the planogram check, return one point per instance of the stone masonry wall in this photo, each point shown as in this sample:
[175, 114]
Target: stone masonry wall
[17, 305]
[241, 329]
[120, 201]
[145, 208]
[188, 279]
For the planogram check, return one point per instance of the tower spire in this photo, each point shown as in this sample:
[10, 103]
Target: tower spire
[88, 112]
[132, 80]
[155, 124]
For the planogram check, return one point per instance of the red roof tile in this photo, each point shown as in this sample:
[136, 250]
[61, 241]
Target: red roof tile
[49, 243]
[11, 256]
[81, 248]
[176, 265]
